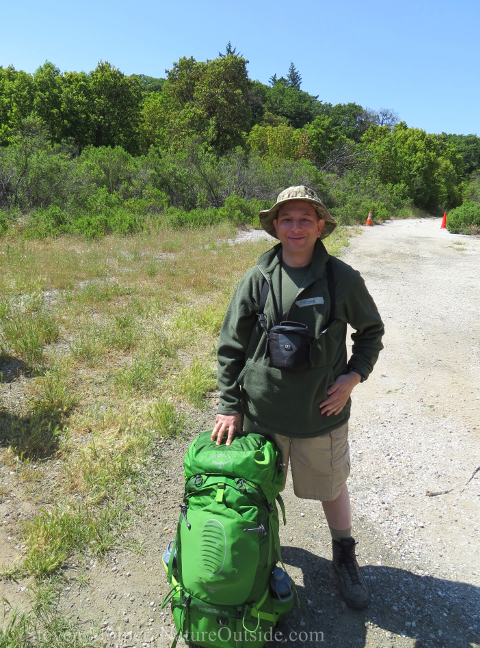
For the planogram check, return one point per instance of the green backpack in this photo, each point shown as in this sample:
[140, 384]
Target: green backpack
[223, 554]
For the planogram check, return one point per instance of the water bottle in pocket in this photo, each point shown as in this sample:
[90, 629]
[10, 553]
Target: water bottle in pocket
[280, 585]
[168, 552]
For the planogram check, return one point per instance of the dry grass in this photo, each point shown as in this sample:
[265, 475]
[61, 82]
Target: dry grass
[130, 356]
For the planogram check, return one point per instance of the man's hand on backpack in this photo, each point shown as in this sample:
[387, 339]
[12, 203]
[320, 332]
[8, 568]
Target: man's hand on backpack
[226, 422]
[339, 393]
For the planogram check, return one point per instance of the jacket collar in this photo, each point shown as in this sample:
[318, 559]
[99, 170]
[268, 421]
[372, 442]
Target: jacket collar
[272, 258]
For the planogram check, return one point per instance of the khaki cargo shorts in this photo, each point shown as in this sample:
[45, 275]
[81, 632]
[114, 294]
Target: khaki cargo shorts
[320, 466]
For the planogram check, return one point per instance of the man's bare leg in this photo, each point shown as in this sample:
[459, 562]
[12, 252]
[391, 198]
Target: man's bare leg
[338, 511]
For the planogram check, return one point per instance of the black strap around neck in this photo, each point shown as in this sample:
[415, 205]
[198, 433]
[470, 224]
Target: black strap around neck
[261, 305]
[331, 293]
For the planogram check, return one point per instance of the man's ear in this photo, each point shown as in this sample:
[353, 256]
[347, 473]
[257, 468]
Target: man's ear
[321, 225]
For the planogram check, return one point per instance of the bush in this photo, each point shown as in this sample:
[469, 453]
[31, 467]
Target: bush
[352, 196]
[465, 219]
[4, 222]
[472, 189]
[47, 222]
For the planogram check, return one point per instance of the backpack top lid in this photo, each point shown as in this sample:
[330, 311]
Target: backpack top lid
[251, 456]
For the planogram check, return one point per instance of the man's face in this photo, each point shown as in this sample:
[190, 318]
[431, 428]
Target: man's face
[297, 226]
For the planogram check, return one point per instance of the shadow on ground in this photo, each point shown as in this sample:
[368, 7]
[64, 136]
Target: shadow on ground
[431, 611]
[11, 368]
[34, 435]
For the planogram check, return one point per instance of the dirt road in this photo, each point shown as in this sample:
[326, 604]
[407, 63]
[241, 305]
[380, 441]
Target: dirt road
[415, 431]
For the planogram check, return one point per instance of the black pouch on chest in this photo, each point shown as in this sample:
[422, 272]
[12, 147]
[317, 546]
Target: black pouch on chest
[290, 344]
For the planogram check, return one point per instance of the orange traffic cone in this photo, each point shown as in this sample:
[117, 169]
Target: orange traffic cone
[444, 221]
[369, 219]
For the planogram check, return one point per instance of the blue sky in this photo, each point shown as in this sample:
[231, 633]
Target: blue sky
[419, 58]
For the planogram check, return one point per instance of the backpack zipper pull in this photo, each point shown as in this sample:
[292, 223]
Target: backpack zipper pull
[183, 510]
[260, 529]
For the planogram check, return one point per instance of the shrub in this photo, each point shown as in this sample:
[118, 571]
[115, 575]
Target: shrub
[465, 219]
[472, 189]
[47, 222]
[4, 222]
[352, 196]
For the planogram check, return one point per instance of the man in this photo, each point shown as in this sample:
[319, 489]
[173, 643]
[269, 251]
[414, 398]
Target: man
[306, 412]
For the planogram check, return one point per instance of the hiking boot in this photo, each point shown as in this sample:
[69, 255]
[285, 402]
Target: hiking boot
[350, 581]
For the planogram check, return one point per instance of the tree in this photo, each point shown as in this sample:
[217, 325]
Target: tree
[281, 141]
[156, 114]
[387, 117]
[16, 101]
[229, 50]
[100, 108]
[430, 168]
[115, 104]
[350, 120]
[209, 100]
[324, 138]
[76, 111]
[149, 84]
[297, 106]
[47, 101]
[294, 78]
[469, 148]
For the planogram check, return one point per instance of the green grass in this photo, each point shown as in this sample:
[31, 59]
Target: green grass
[165, 420]
[43, 626]
[35, 435]
[136, 332]
[56, 533]
[25, 332]
[142, 375]
[195, 381]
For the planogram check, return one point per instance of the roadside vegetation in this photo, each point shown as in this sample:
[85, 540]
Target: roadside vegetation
[97, 153]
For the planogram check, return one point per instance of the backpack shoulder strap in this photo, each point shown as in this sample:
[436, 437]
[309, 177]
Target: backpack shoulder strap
[261, 306]
[331, 294]
[331, 291]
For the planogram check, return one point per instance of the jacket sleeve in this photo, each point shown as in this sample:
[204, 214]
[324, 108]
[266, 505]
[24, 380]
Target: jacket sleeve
[362, 314]
[238, 325]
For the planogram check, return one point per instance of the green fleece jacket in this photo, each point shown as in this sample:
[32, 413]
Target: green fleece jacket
[279, 400]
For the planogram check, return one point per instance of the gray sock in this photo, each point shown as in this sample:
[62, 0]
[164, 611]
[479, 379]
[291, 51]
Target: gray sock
[337, 535]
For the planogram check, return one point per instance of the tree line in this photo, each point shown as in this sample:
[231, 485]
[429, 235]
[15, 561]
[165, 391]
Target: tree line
[207, 132]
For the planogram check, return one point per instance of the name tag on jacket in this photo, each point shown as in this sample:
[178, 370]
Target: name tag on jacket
[310, 302]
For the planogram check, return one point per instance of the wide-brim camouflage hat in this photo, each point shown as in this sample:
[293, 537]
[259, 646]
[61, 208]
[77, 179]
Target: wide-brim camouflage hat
[267, 216]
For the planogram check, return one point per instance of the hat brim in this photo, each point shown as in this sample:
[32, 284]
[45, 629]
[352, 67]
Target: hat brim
[267, 216]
